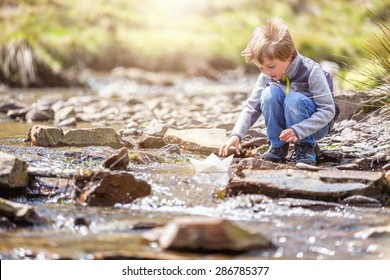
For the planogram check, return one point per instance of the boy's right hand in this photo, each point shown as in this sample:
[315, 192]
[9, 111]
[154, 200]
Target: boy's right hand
[234, 141]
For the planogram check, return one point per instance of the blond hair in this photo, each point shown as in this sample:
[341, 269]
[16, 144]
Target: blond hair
[273, 41]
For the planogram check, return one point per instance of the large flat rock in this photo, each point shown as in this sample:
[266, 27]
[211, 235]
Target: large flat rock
[325, 185]
[46, 136]
[197, 140]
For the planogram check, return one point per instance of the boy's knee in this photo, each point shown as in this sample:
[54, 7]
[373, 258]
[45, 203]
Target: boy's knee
[297, 101]
[271, 94]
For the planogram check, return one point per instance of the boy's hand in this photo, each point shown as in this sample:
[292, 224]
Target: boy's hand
[288, 135]
[234, 141]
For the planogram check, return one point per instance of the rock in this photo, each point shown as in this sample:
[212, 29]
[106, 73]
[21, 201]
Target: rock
[114, 188]
[20, 214]
[348, 166]
[309, 204]
[18, 114]
[373, 232]
[350, 103]
[327, 185]
[171, 149]
[152, 142]
[100, 136]
[156, 128]
[119, 160]
[45, 136]
[258, 164]
[67, 122]
[64, 113]
[386, 167]
[332, 154]
[13, 172]
[304, 166]
[227, 126]
[330, 175]
[255, 142]
[206, 234]
[361, 200]
[40, 114]
[11, 105]
[197, 140]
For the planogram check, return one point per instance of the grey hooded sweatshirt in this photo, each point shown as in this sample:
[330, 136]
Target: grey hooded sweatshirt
[307, 77]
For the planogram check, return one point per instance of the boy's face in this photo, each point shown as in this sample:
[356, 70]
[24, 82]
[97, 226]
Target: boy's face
[274, 68]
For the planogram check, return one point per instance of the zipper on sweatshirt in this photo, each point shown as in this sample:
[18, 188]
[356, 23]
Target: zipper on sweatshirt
[287, 81]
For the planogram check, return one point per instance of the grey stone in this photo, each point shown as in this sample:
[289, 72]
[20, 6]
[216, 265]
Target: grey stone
[204, 233]
[13, 172]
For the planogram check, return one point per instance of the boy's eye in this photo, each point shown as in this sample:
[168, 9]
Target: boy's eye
[272, 66]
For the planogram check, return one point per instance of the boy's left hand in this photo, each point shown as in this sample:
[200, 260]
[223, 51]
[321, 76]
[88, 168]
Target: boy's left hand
[288, 135]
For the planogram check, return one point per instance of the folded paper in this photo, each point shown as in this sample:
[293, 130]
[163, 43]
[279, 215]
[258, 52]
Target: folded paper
[212, 164]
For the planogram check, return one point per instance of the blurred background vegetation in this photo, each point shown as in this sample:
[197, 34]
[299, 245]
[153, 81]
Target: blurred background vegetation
[172, 35]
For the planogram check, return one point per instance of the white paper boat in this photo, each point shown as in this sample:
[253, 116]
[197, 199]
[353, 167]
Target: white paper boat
[212, 164]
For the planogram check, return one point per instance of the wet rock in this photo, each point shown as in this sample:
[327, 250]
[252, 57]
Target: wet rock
[45, 136]
[152, 142]
[361, 200]
[145, 158]
[40, 114]
[331, 175]
[114, 188]
[327, 185]
[258, 164]
[13, 172]
[171, 149]
[119, 160]
[304, 166]
[373, 232]
[133, 132]
[20, 214]
[130, 143]
[197, 140]
[206, 234]
[309, 204]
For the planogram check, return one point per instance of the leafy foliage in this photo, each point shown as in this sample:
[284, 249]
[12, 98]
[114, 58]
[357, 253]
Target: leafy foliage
[174, 34]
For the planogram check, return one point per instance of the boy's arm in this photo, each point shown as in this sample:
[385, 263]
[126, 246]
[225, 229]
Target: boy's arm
[322, 96]
[251, 112]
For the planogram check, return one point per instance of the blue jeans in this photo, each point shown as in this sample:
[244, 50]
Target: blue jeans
[281, 111]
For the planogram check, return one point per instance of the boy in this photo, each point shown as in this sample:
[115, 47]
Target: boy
[292, 92]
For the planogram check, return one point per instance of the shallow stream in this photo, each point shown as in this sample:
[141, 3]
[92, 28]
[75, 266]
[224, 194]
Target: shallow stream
[85, 232]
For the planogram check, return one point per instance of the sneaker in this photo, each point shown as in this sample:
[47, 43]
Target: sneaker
[305, 153]
[276, 154]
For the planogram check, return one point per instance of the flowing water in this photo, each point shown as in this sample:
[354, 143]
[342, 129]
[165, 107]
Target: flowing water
[84, 232]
